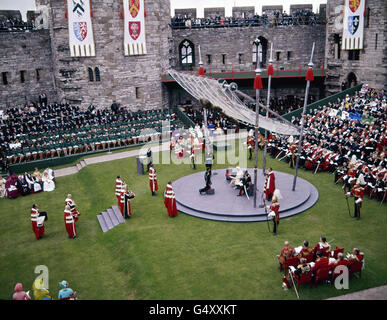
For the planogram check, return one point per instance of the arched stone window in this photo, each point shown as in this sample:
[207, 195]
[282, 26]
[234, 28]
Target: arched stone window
[91, 74]
[97, 75]
[263, 52]
[187, 54]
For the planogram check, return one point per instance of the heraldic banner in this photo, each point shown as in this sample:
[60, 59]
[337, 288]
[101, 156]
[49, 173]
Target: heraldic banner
[81, 40]
[134, 27]
[353, 25]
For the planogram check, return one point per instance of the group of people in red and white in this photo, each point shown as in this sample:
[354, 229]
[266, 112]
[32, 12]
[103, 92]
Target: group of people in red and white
[71, 215]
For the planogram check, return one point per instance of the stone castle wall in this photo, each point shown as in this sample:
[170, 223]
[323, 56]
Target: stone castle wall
[30, 53]
[371, 66]
[238, 40]
[119, 75]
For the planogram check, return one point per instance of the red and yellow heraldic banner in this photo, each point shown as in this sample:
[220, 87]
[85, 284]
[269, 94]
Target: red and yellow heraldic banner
[134, 27]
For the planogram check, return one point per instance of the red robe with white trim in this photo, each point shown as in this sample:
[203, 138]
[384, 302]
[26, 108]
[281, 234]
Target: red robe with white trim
[39, 231]
[153, 180]
[125, 209]
[270, 185]
[118, 188]
[170, 201]
[70, 223]
[71, 204]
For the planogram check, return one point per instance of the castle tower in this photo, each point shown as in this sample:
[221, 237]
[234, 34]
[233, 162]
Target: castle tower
[346, 68]
[133, 81]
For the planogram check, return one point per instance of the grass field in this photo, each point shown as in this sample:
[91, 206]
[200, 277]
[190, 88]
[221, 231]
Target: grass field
[152, 256]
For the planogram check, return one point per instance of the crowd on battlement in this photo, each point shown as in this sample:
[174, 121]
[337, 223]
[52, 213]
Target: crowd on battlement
[278, 18]
[16, 24]
[41, 130]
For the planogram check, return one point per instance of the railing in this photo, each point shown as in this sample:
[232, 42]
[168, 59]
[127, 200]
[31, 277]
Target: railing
[184, 118]
[235, 75]
[322, 102]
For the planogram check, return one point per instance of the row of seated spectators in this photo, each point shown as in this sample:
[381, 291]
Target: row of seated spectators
[25, 184]
[298, 17]
[348, 138]
[283, 105]
[313, 264]
[215, 119]
[40, 131]
[16, 24]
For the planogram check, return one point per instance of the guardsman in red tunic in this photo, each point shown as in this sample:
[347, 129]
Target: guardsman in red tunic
[358, 192]
[119, 184]
[153, 180]
[276, 219]
[69, 222]
[270, 184]
[250, 146]
[37, 225]
[170, 200]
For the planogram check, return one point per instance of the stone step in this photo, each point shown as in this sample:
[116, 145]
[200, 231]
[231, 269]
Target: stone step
[113, 217]
[102, 223]
[108, 221]
[118, 214]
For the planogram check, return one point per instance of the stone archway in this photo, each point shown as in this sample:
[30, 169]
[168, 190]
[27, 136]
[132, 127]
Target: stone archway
[351, 80]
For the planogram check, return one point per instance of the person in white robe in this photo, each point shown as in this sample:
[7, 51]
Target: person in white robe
[3, 190]
[48, 182]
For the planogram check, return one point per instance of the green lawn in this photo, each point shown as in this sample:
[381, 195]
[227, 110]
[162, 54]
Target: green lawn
[152, 256]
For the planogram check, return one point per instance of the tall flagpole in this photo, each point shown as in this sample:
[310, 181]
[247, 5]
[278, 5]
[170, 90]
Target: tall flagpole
[270, 72]
[309, 78]
[205, 128]
[257, 87]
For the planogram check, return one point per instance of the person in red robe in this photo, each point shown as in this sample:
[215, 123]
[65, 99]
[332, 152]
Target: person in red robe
[170, 200]
[153, 180]
[70, 222]
[70, 202]
[125, 197]
[37, 224]
[269, 184]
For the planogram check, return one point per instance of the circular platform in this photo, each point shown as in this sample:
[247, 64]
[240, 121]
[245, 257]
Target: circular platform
[225, 205]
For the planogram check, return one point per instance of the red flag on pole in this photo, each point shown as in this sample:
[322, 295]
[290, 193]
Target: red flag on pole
[258, 82]
[201, 71]
[121, 12]
[65, 4]
[270, 70]
[309, 75]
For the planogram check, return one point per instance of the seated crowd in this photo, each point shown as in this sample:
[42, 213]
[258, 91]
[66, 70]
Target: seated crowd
[347, 138]
[16, 24]
[319, 262]
[215, 120]
[25, 184]
[41, 131]
[282, 105]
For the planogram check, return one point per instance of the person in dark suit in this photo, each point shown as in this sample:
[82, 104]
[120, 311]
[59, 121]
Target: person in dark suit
[207, 178]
